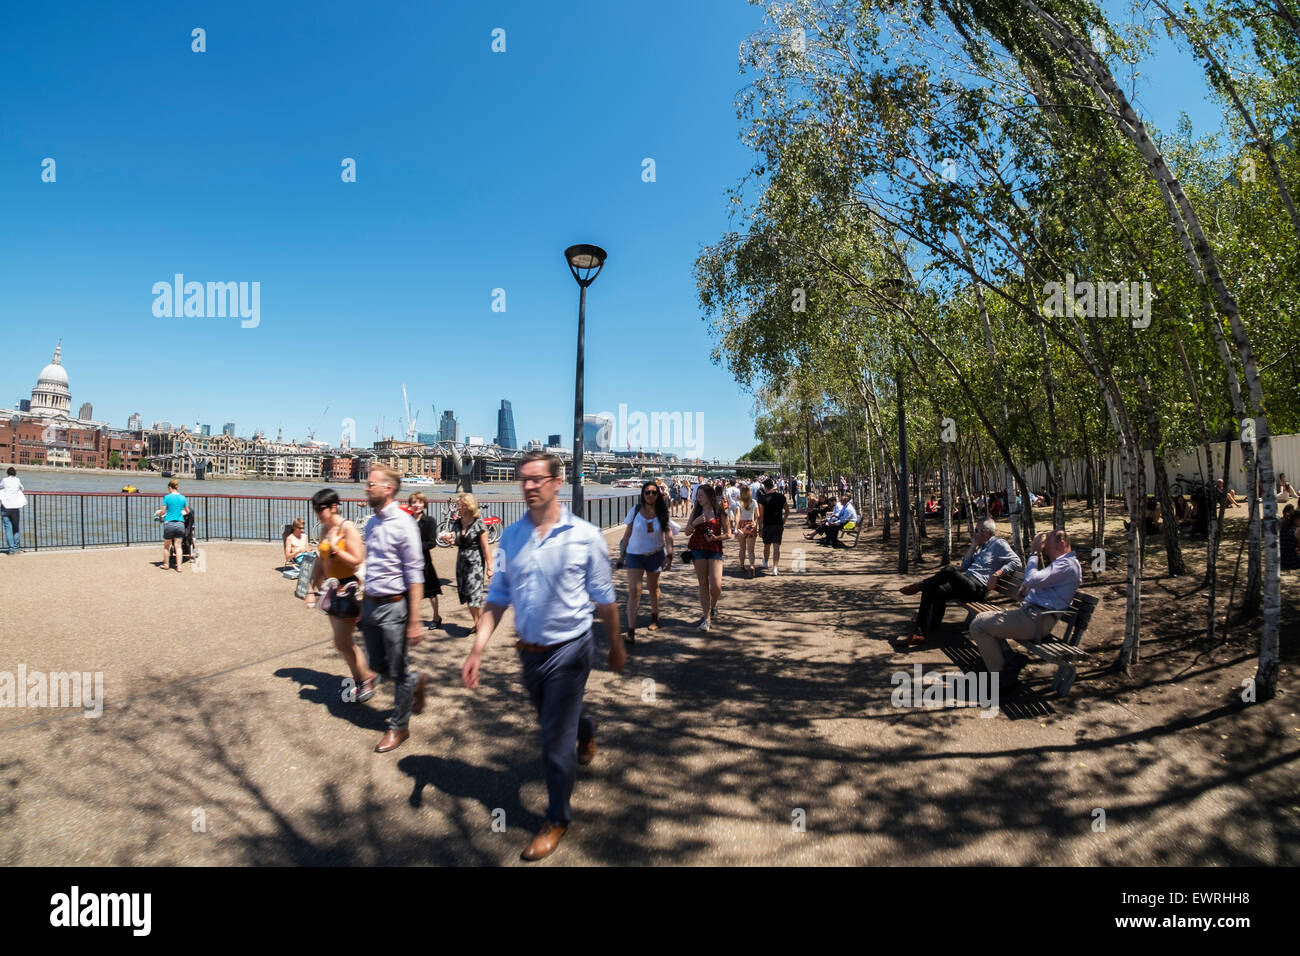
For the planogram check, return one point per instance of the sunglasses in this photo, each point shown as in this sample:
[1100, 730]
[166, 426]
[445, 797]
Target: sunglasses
[650, 491]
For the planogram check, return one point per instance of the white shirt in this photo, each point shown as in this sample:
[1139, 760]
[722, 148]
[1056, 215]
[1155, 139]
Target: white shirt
[755, 488]
[11, 492]
[642, 540]
[733, 497]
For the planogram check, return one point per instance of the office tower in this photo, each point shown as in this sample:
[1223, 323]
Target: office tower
[552, 441]
[135, 423]
[449, 428]
[506, 426]
[228, 429]
[205, 430]
[87, 412]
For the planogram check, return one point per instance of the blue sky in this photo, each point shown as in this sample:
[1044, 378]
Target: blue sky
[474, 171]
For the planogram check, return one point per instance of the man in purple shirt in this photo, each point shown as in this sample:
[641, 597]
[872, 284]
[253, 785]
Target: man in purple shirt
[390, 614]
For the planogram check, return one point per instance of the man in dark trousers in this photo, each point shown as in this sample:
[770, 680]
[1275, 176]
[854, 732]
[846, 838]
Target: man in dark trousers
[987, 559]
[551, 566]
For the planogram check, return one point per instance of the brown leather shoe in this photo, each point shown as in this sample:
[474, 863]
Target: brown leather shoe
[587, 748]
[392, 740]
[912, 588]
[417, 701]
[544, 844]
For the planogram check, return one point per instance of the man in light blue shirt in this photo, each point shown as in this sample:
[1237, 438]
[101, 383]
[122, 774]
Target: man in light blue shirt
[1049, 588]
[552, 566]
[987, 559]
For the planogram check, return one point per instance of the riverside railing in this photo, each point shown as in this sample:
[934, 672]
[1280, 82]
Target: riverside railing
[61, 520]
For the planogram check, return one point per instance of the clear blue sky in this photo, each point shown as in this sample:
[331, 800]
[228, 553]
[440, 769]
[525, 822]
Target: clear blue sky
[474, 171]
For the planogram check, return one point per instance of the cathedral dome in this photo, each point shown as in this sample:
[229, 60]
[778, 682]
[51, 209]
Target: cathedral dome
[51, 394]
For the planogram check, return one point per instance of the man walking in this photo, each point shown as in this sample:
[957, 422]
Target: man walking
[987, 559]
[551, 566]
[1050, 583]
[775, 511]
[390, 613]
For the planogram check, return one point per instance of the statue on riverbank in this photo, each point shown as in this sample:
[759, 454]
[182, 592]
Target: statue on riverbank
[464, 457]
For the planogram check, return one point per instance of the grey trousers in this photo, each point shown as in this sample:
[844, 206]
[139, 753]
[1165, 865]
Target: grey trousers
[384, 627]
[991, 630]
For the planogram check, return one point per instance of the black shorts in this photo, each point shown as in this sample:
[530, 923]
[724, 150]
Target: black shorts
[772, 533]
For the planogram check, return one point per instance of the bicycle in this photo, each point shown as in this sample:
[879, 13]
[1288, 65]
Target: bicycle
[447, 538]
[1183, 485]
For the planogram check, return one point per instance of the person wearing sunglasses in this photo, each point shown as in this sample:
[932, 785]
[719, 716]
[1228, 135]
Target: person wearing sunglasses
[341, 552]
[647, 547]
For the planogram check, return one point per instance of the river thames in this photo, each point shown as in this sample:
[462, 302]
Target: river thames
[150, 482]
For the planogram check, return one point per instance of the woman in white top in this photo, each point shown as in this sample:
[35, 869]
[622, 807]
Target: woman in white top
[647, 546]
[748, 516]
[12, 501]
[1282, 488]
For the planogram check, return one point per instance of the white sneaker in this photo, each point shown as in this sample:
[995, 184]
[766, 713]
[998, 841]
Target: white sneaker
[704, 626]
[774, 572]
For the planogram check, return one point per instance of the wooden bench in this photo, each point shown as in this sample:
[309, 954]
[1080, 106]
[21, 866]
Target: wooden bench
[1065, 652]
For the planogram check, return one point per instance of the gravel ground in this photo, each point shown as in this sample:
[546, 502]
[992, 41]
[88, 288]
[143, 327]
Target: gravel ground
[770, 740]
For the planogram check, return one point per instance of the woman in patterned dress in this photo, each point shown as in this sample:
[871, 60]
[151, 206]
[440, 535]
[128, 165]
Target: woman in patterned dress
[474, 557]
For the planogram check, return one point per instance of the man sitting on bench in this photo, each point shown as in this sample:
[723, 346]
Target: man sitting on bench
[832, 514]
[988, 558]
[1052, 576]
[847, 514]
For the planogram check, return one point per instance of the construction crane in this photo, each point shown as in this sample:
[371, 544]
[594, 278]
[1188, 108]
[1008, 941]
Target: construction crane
[311, 432]
[411, 433]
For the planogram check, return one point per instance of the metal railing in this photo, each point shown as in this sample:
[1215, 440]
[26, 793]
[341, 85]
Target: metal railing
[59, 520]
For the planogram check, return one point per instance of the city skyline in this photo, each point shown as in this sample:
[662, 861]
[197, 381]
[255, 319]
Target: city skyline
[372, 254]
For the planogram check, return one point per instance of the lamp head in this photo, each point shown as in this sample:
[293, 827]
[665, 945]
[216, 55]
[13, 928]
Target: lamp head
[585, 262]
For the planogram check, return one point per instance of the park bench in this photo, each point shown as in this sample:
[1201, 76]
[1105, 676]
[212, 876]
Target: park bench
[1065, 652]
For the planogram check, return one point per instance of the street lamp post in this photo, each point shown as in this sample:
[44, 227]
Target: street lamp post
[585, 262]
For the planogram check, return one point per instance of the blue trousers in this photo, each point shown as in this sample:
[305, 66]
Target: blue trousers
[11, 526]
[556, 681]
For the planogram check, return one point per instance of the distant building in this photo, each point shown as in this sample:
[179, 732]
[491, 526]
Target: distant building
[449, 428]
[135, 423]
[533, 445]
[506, 426]
[87, 412]
[228, 429]
[205, 430]
[427, 438]
[24, 404]
[552, 441]
[164, 427]
[474, 441]
[596, 432]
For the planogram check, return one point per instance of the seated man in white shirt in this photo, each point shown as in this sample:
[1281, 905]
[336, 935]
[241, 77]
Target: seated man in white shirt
[824, 525]
[846, 514]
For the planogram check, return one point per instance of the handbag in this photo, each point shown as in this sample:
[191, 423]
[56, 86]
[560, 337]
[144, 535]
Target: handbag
[340, 600]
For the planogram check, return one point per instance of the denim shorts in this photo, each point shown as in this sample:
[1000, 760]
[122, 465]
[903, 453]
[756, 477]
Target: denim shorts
[173, 529]
[645, 562]
[699, 555]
